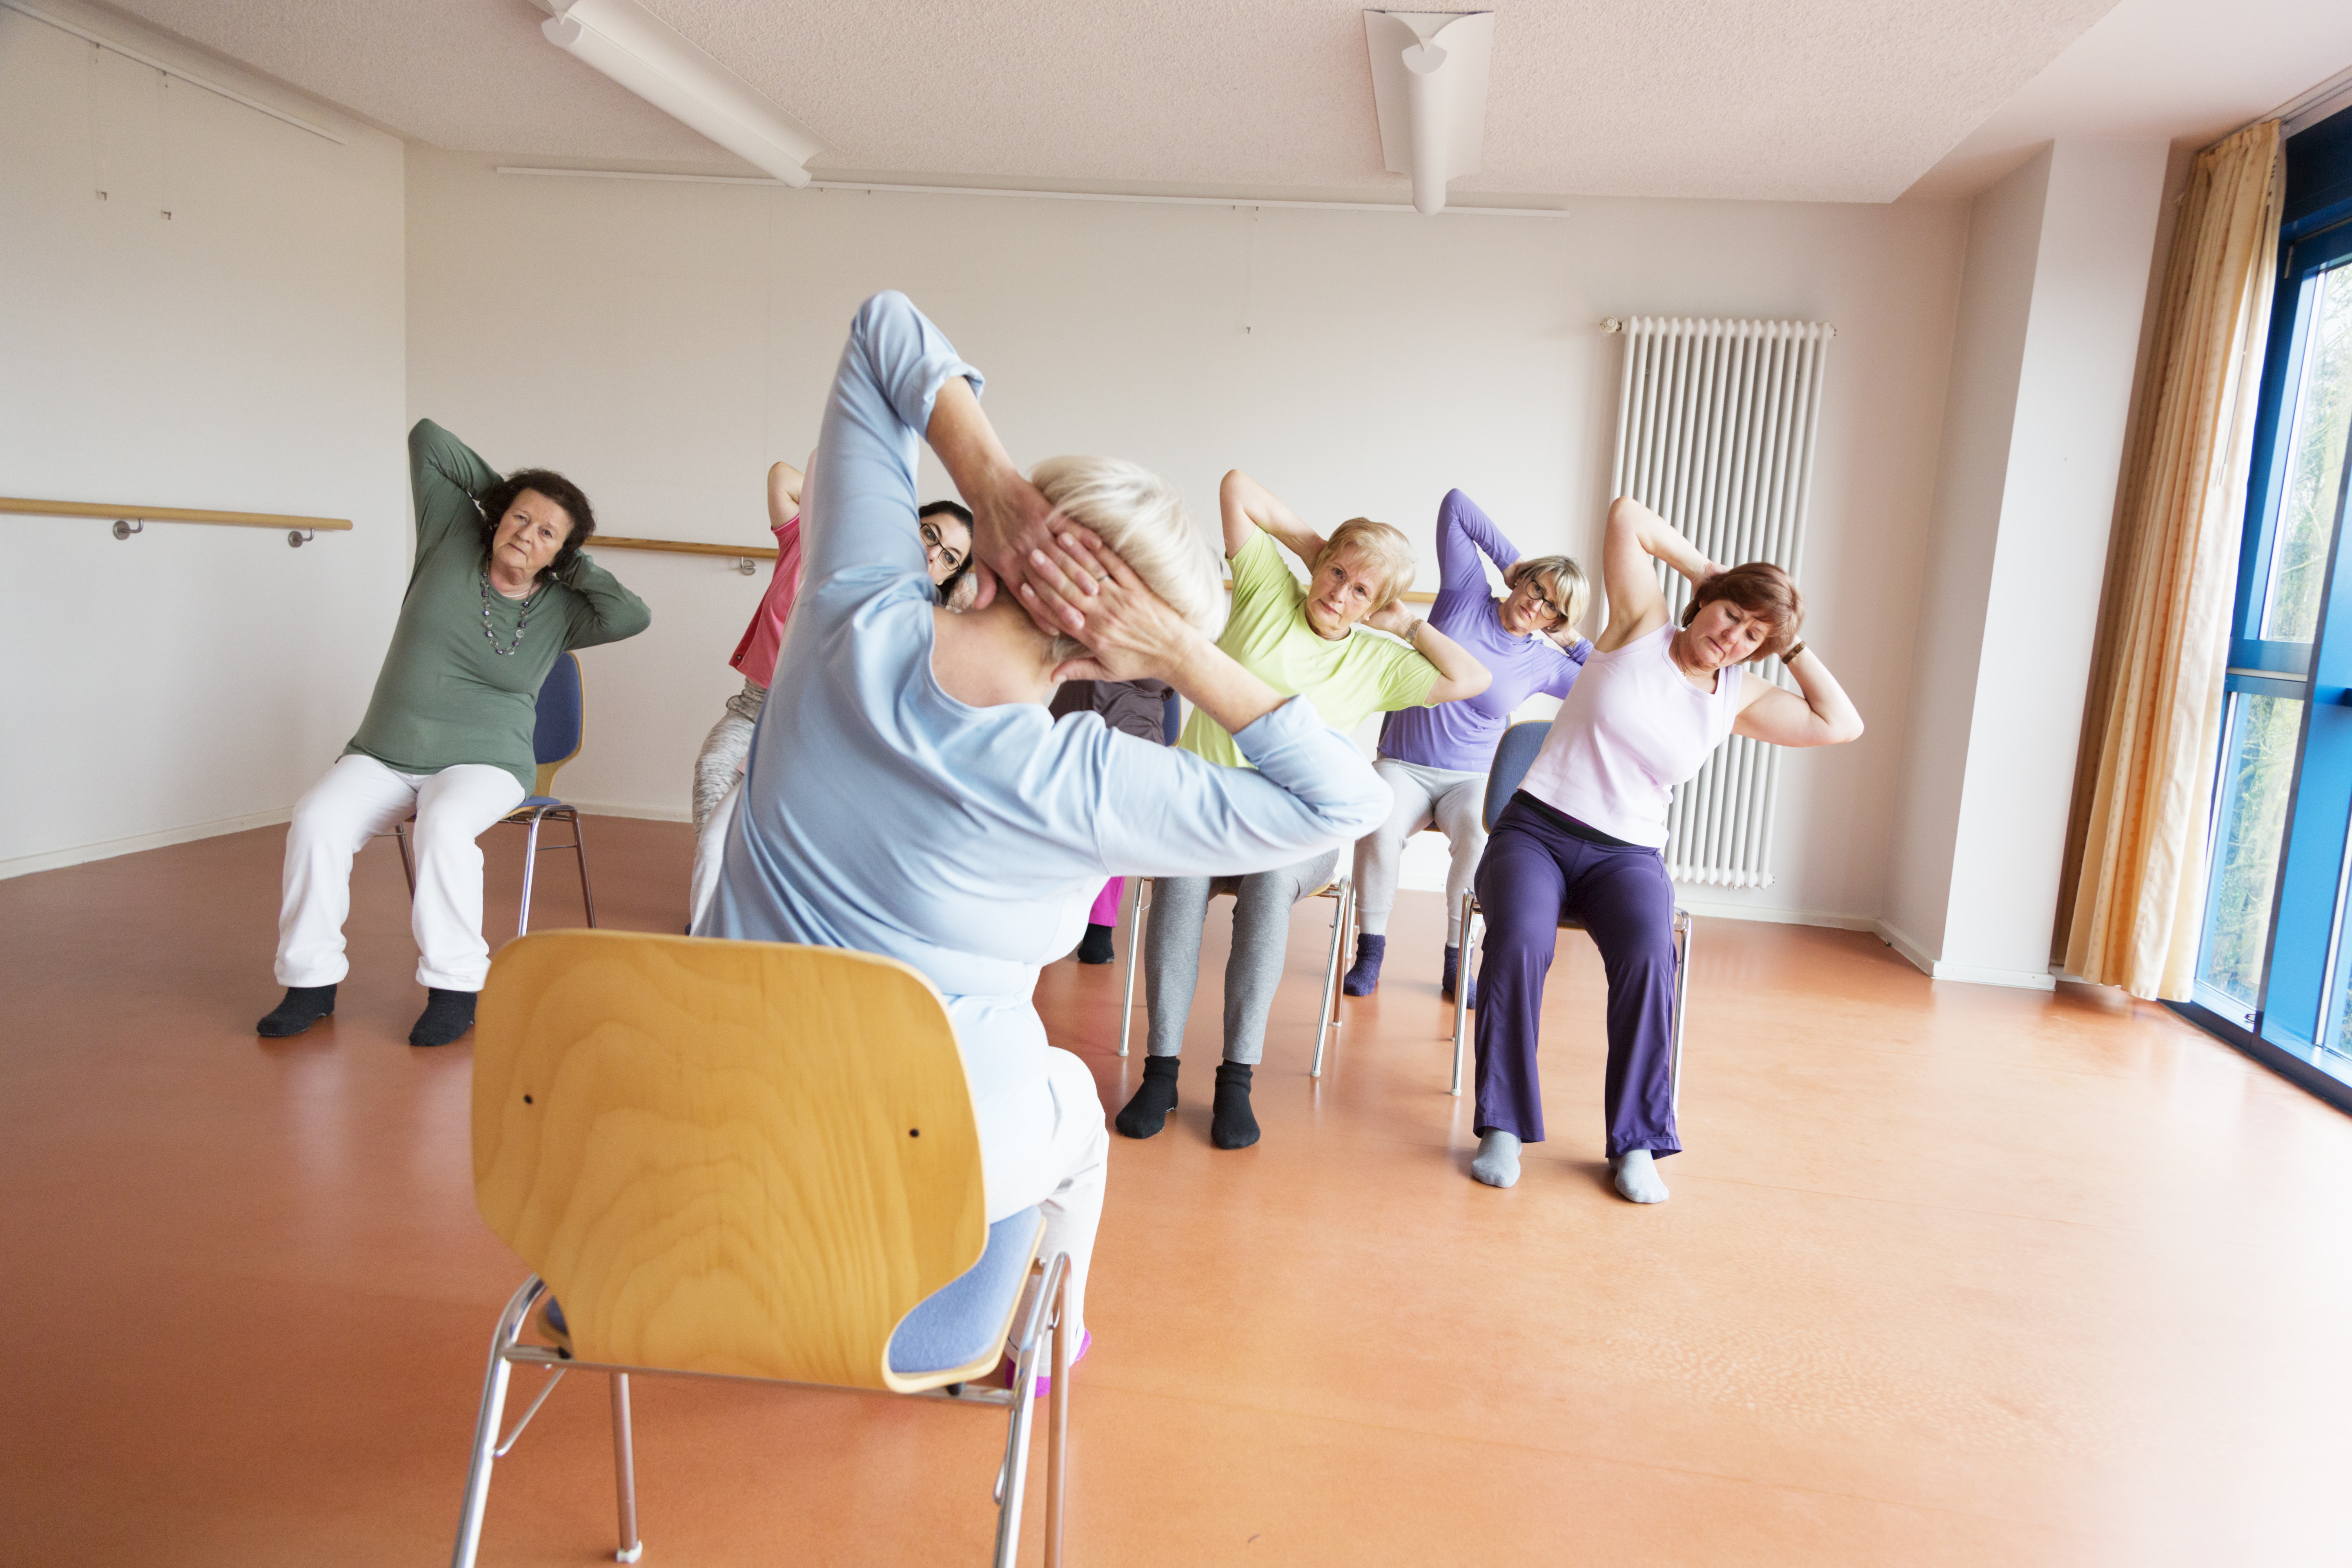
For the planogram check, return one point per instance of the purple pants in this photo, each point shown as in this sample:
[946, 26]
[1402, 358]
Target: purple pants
[1106, 910]
[1535, 874]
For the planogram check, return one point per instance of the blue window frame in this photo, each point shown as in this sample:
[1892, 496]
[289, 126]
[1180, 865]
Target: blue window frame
[2274, 970]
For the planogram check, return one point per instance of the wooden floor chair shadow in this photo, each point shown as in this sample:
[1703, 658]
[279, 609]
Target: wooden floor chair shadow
[748, 1160]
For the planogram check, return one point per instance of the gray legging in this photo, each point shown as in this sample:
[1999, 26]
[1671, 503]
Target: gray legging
[1171, 954]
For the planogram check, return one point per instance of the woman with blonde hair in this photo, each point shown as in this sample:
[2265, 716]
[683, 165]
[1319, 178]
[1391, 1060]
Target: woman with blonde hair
[954, 825]
[1298, 640]
[1437, 759]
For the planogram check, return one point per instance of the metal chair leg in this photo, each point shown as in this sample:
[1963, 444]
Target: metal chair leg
[1327, 1020]
[1135, 916]
[407, 866]
[486, 1422]
[1014, 1471]
[529, 861]
[625, 1471]
[1057, 1425]
[1683, 929]
[580, 848]
[1464, 986]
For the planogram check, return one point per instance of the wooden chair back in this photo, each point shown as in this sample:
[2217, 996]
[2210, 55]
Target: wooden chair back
[744, 1158]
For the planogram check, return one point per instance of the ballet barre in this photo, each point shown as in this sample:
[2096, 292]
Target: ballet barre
[130, 520]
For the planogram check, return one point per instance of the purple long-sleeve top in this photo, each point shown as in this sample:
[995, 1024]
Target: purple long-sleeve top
[1462, 736]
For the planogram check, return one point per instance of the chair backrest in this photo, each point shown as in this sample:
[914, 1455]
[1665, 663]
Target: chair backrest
[562, 717]
[745, 1158]
[1513, 756]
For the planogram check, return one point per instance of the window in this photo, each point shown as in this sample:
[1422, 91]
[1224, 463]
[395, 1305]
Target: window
[2274, 961]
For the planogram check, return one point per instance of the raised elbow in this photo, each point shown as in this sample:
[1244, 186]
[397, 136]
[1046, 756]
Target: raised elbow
[1846, 729]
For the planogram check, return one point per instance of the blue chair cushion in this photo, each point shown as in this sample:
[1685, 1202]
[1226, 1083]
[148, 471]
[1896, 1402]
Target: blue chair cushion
[555, 734]
[1513, 756]
[964, 1319]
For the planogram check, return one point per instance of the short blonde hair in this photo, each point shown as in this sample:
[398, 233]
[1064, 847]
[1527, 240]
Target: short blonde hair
[1386, 548]
[1141, 516]
[1562, 580]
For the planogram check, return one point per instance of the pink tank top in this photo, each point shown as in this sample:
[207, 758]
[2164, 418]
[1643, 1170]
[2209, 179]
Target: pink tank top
[1630, 729]
[755, 656]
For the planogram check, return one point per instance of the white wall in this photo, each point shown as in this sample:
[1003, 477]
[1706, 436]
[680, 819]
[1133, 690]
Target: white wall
[662, 342]
[2050, 328]
[245, 354]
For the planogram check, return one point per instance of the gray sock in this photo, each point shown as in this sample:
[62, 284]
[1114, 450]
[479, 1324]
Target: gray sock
[1498, 1164]
[1637, 1177]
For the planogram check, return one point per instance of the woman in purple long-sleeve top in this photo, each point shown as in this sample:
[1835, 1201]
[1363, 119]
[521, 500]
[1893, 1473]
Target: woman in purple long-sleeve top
[1435, 759]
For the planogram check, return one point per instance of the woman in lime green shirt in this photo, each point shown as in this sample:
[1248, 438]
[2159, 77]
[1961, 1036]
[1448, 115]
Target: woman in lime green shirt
[1301, 641]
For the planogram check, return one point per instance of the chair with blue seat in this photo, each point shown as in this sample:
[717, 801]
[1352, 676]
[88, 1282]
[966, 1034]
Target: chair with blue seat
[1513, 757]
[748, 1160]
[556, 738]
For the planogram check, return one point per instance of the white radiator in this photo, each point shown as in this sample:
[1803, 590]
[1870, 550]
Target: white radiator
[1715, 432]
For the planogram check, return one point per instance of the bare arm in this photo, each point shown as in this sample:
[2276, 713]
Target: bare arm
[1458, 674]
[1008, 513]
[1819, 713]
[1132, 635]
[1636, 537]
[1247, 506]
[784, 494]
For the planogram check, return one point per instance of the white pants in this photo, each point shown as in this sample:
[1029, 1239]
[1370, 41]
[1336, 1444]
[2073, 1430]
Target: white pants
[1455, 802]
[1062, 1172]
[359, 799]
[710, 852]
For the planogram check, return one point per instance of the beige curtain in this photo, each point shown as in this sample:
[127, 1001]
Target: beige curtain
[2137, 884]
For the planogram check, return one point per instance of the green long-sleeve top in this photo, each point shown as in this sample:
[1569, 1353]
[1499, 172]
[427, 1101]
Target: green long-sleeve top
[443, 697]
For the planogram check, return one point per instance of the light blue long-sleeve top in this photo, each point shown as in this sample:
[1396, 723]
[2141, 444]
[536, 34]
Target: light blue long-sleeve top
[880, 814]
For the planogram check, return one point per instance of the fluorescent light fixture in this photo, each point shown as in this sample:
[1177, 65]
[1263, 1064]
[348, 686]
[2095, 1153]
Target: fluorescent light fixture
[1429, 88]
[656, 61]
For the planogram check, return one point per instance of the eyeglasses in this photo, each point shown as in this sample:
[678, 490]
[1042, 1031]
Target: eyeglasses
[934, 540]
[1554, 611]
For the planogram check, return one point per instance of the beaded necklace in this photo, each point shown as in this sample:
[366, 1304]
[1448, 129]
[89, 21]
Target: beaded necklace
[521, 620]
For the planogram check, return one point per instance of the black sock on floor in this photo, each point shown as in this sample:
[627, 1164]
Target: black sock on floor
[447, 1015]
[304, 1005]
[1154, 1098]
[1095, 946]
[1365, 977]
[1232, 1124]
[1450, 974]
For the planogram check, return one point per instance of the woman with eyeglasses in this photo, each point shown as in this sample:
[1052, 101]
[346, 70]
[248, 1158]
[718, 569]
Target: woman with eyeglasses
[1436, 758]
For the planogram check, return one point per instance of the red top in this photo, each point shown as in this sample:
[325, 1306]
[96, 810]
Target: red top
[755, 656]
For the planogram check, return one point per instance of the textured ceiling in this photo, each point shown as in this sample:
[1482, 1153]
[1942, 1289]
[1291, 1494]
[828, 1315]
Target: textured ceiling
[1773, 100]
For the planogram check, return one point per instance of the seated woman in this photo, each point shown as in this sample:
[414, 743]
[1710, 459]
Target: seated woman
[1138, 707]
[499, 590]
[946, 532]
[954, 825]
[1437, 759]
[1298, 640]
[1581, 838]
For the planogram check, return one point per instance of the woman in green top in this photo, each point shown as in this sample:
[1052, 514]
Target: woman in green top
[499, 590]
[1298, 640]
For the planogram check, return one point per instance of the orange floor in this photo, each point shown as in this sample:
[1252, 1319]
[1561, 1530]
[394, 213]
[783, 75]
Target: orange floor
[1951, 1275]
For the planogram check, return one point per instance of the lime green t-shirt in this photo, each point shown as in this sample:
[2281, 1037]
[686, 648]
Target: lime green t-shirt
[1268, 635]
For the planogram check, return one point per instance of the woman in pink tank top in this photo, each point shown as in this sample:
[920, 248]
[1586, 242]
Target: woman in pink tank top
[1581, 838]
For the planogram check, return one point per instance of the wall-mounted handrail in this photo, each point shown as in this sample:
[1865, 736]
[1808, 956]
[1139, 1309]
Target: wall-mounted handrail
[768, 552]
[171, 514]
[686, 547]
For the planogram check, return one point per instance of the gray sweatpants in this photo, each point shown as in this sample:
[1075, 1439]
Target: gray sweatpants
[1455, 803]
[1171, 954]
[724, 749]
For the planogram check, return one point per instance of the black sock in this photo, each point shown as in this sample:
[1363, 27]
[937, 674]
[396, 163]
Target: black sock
[447, 1015]
[1155, 1097]
[1095, 946]
[304, 1005]
[1230, 1124]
